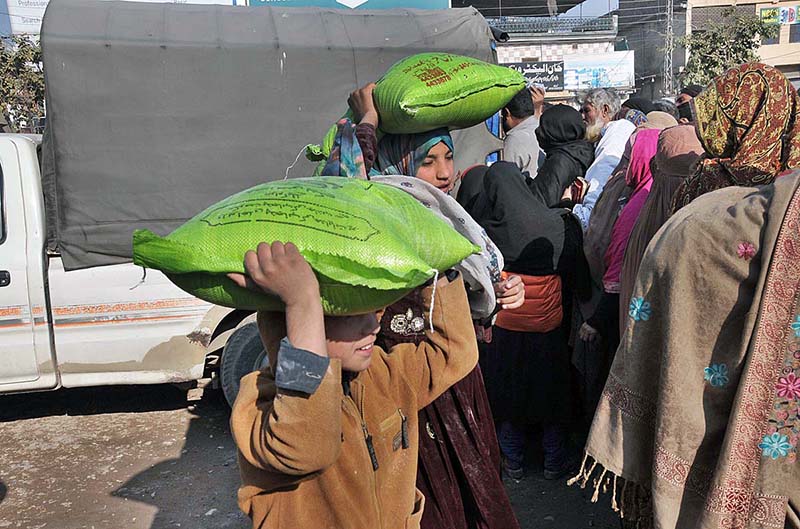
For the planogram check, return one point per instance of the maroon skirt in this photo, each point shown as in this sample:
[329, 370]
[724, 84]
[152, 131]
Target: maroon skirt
[459, 457]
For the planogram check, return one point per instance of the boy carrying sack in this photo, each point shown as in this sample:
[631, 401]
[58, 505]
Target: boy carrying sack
[330, 440]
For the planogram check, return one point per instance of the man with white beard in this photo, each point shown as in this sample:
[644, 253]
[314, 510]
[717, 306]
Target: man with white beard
[598, 108]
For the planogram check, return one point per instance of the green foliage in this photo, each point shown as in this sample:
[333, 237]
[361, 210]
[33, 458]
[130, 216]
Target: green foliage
[733, 40]
[21, 82]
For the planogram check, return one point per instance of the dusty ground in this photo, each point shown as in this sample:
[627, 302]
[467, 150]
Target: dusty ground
[144, 458]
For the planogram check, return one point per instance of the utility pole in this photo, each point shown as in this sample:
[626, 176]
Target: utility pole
[669, 44]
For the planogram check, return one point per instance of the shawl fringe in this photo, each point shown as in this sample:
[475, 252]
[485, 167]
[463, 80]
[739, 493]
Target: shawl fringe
[630, 500]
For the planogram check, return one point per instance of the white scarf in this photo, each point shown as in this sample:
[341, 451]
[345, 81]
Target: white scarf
[480, 271]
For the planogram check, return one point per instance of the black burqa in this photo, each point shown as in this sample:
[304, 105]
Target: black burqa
[528, 233]
[639, 103]
[527, 374]
[561, 136]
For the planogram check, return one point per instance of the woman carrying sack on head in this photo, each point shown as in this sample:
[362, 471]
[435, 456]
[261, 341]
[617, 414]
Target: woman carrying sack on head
[459, 459]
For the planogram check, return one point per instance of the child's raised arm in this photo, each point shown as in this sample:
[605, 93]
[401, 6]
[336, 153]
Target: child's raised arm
[292, 425]
[281, 270]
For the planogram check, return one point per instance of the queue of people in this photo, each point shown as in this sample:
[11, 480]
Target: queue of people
[640, 275]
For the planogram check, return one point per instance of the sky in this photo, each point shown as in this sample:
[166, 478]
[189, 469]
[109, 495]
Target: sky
[592, 8]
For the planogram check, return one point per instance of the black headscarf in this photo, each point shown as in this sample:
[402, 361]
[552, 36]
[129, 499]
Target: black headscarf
[639, 103]
[560, 134]
[692, 90]
[471, 186]
[528, 233]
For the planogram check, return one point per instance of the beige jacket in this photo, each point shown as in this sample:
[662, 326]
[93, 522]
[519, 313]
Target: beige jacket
[304, 460]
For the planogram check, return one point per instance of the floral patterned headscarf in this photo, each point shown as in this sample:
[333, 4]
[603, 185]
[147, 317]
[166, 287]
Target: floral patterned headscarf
[747, 122]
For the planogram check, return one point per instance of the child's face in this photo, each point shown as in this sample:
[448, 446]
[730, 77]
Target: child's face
[351, 339]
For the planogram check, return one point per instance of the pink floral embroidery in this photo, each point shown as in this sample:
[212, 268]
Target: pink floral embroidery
[746, 251]
[788, 386]
[782, 415]
[772, 429]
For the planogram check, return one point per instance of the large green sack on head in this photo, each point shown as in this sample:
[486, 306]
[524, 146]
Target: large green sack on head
[369, 243]
[432, 90]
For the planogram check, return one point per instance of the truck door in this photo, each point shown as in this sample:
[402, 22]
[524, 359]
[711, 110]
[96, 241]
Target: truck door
[25, 352]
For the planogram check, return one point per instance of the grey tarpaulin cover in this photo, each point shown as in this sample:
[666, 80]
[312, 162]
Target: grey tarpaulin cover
[156, 111]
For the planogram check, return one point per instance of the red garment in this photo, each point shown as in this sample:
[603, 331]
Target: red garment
[542, 310]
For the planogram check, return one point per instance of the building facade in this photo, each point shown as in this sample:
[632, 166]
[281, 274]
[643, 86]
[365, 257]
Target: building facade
[783, 52]
[566, 55]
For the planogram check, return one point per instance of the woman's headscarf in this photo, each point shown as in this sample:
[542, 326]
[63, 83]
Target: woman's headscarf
[480, 271]
[560, 125]
[561, 134]
[677, 153]
[529, 234]
[676, 157]
[660, 120]
[747, 122]
[403, 154]
[639, 178]
[637, 117]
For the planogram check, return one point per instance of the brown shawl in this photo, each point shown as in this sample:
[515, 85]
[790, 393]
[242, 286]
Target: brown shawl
[747, 121]
[699, 417]
[676, 157]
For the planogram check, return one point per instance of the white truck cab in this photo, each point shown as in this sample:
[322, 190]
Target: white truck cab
[96, 326]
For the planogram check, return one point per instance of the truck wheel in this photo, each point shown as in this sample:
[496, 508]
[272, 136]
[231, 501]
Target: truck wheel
[243, 353]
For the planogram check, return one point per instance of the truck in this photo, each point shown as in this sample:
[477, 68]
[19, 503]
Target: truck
[156, 111]
[101, 325]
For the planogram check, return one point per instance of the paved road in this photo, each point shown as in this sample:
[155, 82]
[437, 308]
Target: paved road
[144, 458]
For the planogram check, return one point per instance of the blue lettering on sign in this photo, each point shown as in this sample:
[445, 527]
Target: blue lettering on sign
[356, 4]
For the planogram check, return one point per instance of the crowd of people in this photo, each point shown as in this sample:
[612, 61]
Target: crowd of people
[633, 317]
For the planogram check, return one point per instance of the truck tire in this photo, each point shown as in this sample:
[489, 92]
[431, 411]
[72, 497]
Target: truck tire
[243, 353]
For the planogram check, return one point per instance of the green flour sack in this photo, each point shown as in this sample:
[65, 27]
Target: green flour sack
[369, 244]
[433, 90]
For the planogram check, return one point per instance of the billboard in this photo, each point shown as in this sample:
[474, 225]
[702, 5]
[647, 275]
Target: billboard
[549, 74]
[356, 4]
[602, 70]
[26, 15]
[780, 15]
